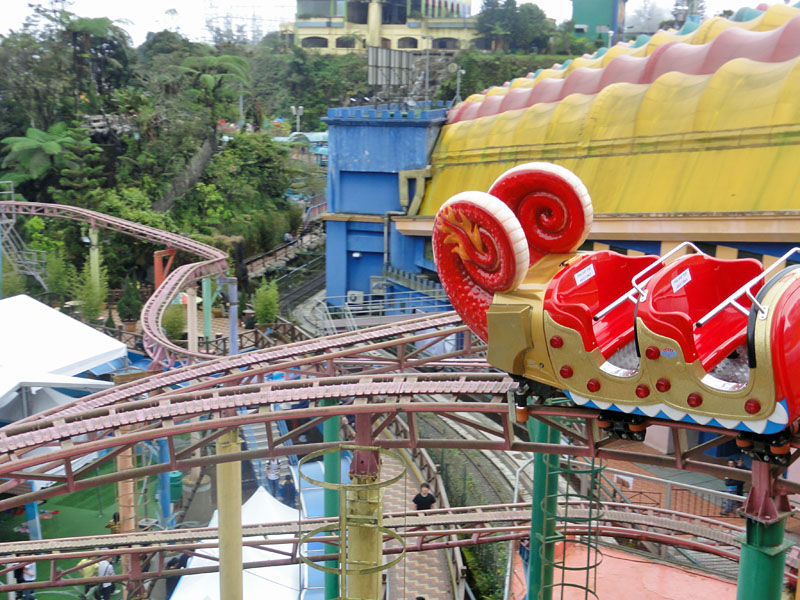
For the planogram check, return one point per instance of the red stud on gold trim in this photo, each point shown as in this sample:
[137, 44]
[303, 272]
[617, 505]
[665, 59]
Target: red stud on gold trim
[663, 385]
[566, 372]
[694, 399]
[652, 352]
[642, 391]
[593, 385]
[752, 406]
[556, 341]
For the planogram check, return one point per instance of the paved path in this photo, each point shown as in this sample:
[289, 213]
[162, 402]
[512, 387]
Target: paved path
[420, 573]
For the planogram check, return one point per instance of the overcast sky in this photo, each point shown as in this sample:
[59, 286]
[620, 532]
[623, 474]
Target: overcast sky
[190, 16]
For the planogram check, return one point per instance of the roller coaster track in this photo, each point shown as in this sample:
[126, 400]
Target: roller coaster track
[215, 261]
[432, 530]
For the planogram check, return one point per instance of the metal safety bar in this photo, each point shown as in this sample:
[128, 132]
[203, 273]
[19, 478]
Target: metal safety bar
[637, 285]
[746, 289]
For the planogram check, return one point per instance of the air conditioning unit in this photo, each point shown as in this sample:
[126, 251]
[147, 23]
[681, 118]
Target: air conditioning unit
[377, 285]
[355, 297]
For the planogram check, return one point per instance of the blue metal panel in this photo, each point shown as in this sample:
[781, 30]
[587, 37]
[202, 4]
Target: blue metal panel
[336, 258]
[368, 193]
[404, 249]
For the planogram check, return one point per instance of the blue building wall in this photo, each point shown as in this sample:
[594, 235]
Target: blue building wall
[367, 150]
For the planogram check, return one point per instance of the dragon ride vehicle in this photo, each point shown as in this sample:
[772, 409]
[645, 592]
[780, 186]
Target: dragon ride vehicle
[685, 336]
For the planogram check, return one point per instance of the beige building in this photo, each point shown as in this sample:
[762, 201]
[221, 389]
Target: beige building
[341, 26]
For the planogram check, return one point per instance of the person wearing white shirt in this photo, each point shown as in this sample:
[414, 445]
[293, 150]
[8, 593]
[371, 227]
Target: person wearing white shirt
[105, 569]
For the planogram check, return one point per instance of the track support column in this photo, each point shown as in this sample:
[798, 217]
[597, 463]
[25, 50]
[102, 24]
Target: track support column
[543, 510]
[764, 548]
[229, 505]
[331, 462]
[362, 512]
[207, 302]
[94, 256]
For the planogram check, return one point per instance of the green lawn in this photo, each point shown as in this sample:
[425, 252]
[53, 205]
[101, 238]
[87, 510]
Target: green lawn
[79, 514]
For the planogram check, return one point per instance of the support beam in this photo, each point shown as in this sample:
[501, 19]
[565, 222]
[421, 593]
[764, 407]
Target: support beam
[126, 498]
[191, 317]
[229, 505]
[543, 510]
[207, 302]
[330, 433]
[94, 257]
[160, 268]
[763, 545]
[233, 316]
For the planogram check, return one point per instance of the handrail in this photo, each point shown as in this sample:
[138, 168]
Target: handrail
[746, 289]
[636, 286]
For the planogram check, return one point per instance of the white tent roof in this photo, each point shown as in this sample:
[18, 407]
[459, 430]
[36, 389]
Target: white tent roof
[275, 583]
[38, 344]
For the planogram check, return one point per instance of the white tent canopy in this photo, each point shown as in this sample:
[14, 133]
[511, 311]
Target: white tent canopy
[275, 583]
[41, 347]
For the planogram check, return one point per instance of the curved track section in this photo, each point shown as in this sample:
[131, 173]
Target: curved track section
[233, 370]
[160, 349]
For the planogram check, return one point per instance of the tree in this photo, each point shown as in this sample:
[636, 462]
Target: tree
[13, 282]
[81, 176]
[216, 79]
[265, 303]
[648, 17]
[36, 154]
[61, 276]
[129, 307]
[90, 293]
[174, 322]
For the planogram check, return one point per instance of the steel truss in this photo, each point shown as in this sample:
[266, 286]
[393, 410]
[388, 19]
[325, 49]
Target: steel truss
[433, 530]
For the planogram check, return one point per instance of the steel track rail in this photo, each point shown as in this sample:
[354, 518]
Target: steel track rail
[160, 349]
[422, 532]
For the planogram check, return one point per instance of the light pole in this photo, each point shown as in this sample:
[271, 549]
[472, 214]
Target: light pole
[297, 111]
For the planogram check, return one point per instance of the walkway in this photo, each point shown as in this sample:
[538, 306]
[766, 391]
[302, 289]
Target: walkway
[420, 573]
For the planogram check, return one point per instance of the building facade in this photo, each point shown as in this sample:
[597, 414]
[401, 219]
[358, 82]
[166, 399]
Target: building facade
[342, 26]
[599, 18]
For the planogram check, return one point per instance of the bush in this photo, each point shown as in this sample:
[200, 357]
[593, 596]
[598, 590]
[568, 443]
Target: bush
[13, 282]
[60, 277]
[129, 306]
[91, 294]
[174, 322]
[265, 303]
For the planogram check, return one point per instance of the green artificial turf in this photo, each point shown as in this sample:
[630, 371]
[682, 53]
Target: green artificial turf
[80, 513]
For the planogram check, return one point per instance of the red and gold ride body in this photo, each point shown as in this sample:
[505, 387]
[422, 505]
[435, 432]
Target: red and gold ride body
[685, 336]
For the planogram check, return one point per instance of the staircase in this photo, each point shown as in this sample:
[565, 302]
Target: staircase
[23, 260]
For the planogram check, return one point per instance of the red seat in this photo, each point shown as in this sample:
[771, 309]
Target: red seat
[681, 294]
[589, 285]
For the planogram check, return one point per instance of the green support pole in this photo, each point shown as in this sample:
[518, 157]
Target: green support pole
[762, 561]
[94, 257]
[207, 301]
[543, 510]
[331, 462]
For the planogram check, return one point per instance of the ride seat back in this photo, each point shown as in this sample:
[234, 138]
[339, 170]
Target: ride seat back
[684, 292]
[584, 288]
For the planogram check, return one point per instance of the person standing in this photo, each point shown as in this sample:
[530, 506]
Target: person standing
[29, 576]
[424, 500]
[105, 569]
[88, 568]
[273, 476]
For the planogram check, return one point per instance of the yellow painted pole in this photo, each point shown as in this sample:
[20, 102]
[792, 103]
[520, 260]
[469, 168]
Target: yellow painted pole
[126, 497]
[229, 505]
[364, 544]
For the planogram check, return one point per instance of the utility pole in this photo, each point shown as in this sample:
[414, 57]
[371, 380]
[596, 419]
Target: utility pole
[297, 111]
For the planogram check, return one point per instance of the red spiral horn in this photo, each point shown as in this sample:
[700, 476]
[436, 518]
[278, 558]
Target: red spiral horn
[480, 249]
[550, 202]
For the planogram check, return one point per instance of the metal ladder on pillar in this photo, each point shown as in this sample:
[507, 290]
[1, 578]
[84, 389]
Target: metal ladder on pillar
[22, 259]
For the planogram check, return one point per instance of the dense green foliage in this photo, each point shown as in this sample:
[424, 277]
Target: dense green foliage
[90, 293]
[484, 70]
[130, 302]
[174, 321]
[265, 303]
